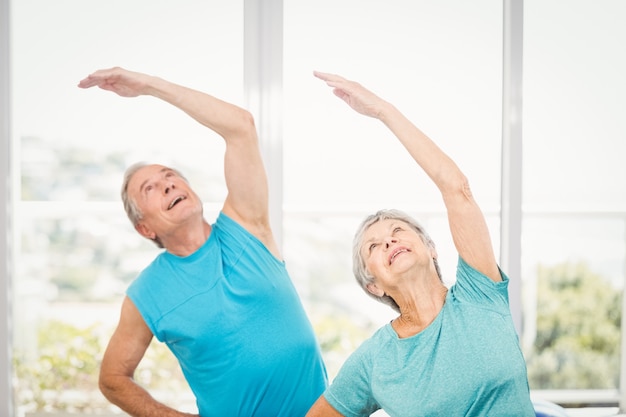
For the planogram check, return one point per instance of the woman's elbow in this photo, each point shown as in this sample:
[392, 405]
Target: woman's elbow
[456, 186]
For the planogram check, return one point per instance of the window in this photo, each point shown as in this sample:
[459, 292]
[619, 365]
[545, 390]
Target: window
[75, 249]
[340, 166]
[74, 252]
[574, 194]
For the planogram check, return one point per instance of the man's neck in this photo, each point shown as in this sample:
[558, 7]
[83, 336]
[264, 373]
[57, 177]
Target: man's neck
[187, 240]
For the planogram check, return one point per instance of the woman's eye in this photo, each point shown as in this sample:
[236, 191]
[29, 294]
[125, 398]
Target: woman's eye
[397, 229]
[372, 246]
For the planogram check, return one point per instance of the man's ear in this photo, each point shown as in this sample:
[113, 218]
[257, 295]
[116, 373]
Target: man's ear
[373, 288]
[145, 231]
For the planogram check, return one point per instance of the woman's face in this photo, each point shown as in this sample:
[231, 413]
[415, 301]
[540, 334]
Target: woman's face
[394, 253]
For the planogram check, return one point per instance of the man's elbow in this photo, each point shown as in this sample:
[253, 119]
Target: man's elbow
[105, 386]
[246, 125]
[110, 385]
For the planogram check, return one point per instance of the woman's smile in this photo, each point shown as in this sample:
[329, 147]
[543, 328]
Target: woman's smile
[396, 252]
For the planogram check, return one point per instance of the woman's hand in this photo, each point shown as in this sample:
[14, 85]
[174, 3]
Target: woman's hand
[358, 97]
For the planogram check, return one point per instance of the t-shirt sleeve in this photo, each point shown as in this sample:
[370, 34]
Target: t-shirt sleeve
[473, 287]
[350, 392]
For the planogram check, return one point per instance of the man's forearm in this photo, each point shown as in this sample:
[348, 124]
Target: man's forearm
[226, 119]
[136, 401]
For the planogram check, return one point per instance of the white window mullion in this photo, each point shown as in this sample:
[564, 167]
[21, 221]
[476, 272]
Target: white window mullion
[622, 379]
[263, 91]
[6, 398]
[511, 186]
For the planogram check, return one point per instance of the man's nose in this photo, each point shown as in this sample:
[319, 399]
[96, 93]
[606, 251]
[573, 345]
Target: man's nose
[169, 188]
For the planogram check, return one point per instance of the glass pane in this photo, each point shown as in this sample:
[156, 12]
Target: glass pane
[76, 251]
[574, 191]
[441, 64]
[574, 270]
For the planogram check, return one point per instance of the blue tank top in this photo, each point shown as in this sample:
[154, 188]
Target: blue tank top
[230, 314]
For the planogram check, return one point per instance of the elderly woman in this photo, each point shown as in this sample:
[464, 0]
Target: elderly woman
[450, 352]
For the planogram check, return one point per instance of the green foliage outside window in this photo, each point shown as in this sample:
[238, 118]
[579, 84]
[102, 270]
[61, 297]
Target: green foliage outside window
[62, 375]
[577, 345]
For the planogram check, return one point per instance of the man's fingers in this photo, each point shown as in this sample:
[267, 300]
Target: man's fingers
[91, 80]
[86, 83]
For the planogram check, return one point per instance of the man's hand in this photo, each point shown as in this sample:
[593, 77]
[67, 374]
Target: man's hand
[122, 82]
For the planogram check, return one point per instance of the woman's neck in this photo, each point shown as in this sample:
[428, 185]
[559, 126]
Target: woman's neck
[417, 313]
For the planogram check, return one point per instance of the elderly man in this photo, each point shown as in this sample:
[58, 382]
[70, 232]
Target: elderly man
[219, 295]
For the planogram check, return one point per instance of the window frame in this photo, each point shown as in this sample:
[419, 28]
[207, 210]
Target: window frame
[263, 36]
[6, 397]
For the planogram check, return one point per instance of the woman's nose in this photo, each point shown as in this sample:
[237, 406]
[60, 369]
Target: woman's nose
[389, 240]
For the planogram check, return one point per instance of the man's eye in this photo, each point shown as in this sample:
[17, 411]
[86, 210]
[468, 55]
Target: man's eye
[148, 188]
[397, 229]
[372, 246]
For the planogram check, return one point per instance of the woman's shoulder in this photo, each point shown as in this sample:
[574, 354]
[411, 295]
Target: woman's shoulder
[378, 341]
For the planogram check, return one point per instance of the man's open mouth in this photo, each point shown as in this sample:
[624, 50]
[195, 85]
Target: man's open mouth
[176, 201]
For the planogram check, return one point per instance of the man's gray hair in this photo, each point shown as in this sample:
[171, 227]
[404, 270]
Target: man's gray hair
[132, 211]
[130, 205]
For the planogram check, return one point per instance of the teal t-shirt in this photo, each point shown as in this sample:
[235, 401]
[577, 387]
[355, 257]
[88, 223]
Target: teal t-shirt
[231, 315]
[467, 362]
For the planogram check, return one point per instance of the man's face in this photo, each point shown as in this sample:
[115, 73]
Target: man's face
[164, 199]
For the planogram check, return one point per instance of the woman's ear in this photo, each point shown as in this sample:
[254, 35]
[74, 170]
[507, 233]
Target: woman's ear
[145, 231]
[373, 288]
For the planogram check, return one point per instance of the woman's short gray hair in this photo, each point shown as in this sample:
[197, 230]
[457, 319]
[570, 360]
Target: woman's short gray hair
[130, 205]
[362, 275]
